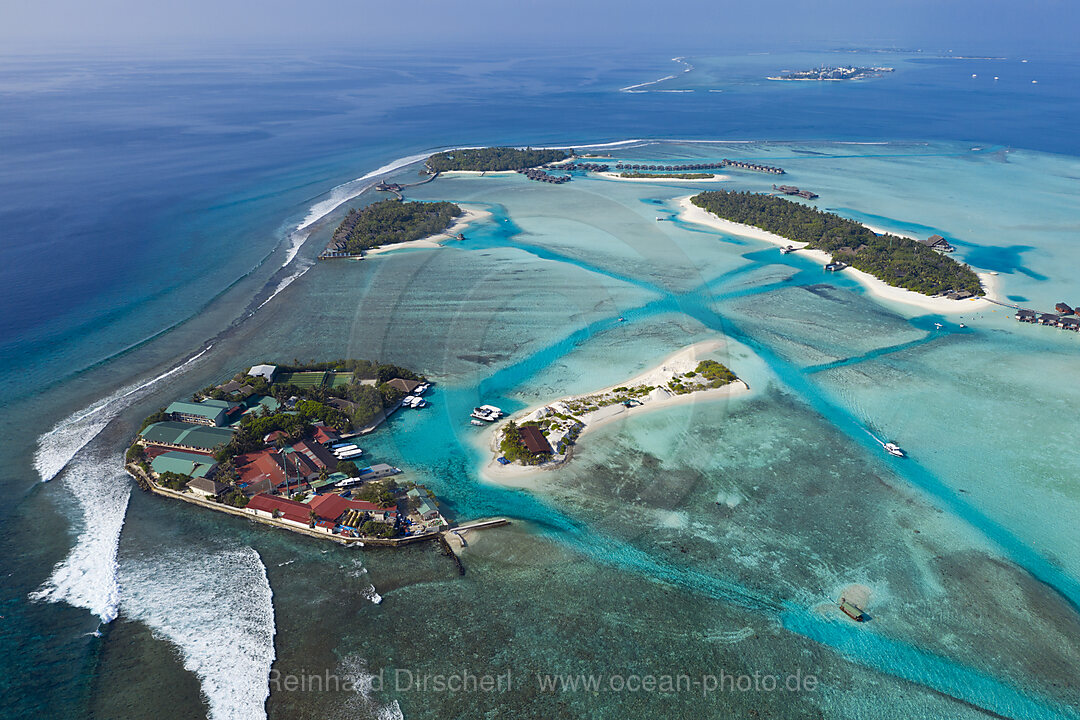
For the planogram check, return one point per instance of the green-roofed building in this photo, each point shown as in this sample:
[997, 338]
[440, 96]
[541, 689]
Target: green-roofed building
[185, 435]
[208, 412]
[426, 508]
[184, 463]
[256, 402]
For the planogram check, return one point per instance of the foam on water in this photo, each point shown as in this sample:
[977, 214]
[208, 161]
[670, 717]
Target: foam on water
[87, 577]
[336, 198]
[58, 446]
[216, 607]
[286, 282]
[355, 670]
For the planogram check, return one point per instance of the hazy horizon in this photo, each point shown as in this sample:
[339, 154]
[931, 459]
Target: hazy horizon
[64, 26]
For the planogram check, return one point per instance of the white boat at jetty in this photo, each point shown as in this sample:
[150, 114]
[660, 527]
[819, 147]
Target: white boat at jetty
[893, 449]
[487, 413]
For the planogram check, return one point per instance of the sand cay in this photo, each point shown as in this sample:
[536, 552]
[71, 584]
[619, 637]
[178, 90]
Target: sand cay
[469, 216]
[880, 290]
[678, 364]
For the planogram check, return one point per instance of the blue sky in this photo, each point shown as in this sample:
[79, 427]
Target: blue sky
[962, 25]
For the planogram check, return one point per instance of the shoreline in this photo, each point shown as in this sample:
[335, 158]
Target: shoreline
[469, 216]
[679, 362]
[875, 287]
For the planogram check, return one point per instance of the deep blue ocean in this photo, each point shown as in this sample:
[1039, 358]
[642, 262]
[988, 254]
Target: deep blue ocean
[149, 204]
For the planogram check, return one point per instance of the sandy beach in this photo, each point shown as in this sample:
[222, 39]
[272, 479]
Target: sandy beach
[468, 216]
[717, 177]
[690, 212]
[680, 362]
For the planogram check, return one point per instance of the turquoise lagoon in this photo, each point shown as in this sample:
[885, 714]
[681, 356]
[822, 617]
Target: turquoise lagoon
[699, 539]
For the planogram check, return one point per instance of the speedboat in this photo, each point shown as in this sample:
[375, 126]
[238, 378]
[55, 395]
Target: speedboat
[478, 423]
[893, 449]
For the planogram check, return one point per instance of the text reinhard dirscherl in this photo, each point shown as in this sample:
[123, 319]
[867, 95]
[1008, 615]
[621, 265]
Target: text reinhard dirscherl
[458, 681]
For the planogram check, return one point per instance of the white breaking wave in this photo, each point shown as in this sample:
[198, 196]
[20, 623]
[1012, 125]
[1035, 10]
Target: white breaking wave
[286, 282]
[217, 608]
[58, 446]
[87, 577]
[336, 198]
[355, 671]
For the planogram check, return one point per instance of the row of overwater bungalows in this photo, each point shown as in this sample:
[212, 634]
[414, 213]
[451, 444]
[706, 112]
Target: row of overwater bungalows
[1049, 319]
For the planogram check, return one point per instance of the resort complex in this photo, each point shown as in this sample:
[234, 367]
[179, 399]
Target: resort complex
[280, 445]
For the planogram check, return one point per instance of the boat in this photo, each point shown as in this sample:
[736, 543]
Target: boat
[487, 413]
[852, 610]
[478, 423]
[893, 449]
[786, 250]
[350, 454]
[963, 325]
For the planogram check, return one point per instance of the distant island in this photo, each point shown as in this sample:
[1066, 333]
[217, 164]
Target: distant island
[833, 73]
[493, 159]
[276, 444]
[898, 261]
[389, 222]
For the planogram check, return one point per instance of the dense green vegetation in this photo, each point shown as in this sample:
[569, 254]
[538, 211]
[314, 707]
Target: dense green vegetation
[159, 416]
[898, 261]
[380, 493]
[173, 481]
[493, 158]
[514, 450]
[393, 221]
[716, 373]
[674, 176]
[372, 528]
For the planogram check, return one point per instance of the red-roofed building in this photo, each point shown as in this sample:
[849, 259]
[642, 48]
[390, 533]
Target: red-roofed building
[274, 436]
[316, 454]
[326, 435]
[280, 508]
[262, 465]
[334, 507]
[329, 507]
[533, 438]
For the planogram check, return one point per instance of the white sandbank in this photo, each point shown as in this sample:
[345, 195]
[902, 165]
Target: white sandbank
[470, 215]
[680, 362]
[878, 289]
[716, 177]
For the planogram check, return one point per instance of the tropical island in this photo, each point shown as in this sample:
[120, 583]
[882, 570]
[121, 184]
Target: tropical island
[493, 159]
[901, 262]
[389, 222]
[544, 437]
[833, 73]
[277, 443]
